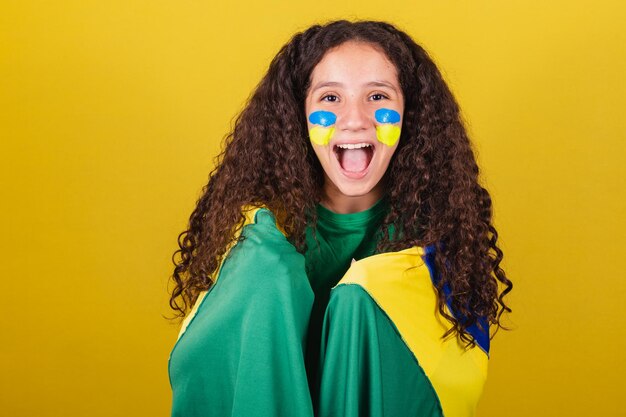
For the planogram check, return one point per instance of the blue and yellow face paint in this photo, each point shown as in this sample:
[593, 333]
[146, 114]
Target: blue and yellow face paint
[324, 128]
[388, 128]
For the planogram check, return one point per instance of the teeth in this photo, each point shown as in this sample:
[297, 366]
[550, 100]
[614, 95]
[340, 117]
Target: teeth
[353, 145]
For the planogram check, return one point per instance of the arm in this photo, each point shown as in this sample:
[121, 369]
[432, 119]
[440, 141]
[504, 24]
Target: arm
[242, 354]
[366, 369]
[271, 378]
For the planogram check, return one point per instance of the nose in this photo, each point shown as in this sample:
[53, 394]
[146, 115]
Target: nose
[354, 117]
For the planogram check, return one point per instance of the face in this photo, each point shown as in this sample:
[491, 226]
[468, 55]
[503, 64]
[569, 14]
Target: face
[354, 110]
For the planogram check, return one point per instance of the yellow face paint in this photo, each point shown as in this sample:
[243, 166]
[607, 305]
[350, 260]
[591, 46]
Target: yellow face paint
[323, 130]
[321, 135]
[388, 129]
[388, 134]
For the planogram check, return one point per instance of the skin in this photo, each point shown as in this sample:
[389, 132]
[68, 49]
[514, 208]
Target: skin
[352, 81]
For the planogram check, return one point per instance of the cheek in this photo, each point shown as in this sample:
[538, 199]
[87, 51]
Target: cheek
[387, 126]
[321, 127]
[388, 134]
[321, 135]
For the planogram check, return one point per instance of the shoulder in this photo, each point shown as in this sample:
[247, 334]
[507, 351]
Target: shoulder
[261, 232]
[350, 300]
[261, 222]
[263, 260]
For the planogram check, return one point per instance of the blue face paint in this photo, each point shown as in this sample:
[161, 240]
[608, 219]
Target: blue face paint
[322, 118]
[387, 116]
[321, 133]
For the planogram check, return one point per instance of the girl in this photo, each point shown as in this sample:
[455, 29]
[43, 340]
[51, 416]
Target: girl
[348, 169]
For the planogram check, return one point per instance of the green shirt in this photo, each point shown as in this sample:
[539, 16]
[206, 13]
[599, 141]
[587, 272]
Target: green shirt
[336, 240]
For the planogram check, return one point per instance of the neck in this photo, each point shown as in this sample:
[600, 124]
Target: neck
[340, 203]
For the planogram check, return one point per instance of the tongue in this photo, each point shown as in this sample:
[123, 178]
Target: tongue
[354, 160]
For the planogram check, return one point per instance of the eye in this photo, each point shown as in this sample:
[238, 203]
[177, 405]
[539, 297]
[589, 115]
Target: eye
[378, 96]
[330, 98]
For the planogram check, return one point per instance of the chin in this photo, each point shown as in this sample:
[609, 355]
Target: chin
[354, 190]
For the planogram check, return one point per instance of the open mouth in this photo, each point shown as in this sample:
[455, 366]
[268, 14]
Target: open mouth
[354, 158]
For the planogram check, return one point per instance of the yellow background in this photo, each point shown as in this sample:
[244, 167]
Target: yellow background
[111, 113]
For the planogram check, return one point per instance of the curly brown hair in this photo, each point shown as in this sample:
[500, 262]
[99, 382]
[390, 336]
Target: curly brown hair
[433, 190]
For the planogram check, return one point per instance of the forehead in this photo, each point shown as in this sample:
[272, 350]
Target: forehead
[354, 62]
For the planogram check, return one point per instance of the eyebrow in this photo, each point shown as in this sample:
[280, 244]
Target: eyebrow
[369, 84]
